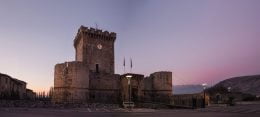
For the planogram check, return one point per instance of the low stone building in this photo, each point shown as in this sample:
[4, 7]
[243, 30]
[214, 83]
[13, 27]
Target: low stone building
[196, 100]
[12, 88]
[30, 95]
[91, 77]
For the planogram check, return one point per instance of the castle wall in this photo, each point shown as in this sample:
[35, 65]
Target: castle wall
[104, 88]
[158, 87]
[162, 81]
[71, 82]
[79, 50]
[148, 89]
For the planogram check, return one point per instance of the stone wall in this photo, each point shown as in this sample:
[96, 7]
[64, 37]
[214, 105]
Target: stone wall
[162, 81]
[189, 100]
[71, 82]
[79, 49]
[158, 87]
[104, 88]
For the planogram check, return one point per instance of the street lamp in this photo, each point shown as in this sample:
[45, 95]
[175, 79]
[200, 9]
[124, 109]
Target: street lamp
[229, 96]
[229, 89]
[204, 85]
[129, 89]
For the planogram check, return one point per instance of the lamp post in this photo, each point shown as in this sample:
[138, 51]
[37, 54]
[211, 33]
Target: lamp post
[229, 89]
[229, 96]
[129, 89]
[204, 85]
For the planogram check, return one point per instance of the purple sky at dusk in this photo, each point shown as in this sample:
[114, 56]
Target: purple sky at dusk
[198, 40]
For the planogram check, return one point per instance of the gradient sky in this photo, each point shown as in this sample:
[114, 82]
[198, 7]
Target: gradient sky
[198, 40]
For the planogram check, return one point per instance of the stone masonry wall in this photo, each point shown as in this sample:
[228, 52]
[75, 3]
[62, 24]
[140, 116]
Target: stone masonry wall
[71, 82]
[162, 81]
[79, 50]
[158, 87]
[104, 88]
[162, 86]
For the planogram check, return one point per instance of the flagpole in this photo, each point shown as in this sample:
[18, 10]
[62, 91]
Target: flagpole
[124, 65]
[131, 65]
[124, 69]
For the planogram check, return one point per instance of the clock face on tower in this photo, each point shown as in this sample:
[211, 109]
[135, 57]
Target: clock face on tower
[99, 46]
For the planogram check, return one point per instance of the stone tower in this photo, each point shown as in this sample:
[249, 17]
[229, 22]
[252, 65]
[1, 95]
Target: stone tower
[91, 77]
[95, 49]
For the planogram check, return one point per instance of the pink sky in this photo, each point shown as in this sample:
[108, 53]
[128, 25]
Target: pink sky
[199, 41]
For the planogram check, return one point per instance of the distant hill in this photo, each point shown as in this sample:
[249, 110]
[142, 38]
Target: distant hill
[244, 84]
[187, 89]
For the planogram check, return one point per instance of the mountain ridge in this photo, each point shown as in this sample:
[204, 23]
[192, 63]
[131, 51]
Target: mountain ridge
[245, 84]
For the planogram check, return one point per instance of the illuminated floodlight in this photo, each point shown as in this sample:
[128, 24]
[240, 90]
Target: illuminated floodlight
[204, 85]
[129, 76]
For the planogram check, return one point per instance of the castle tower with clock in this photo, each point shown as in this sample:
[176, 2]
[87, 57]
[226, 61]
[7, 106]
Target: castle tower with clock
[91, 77]
[96, 49]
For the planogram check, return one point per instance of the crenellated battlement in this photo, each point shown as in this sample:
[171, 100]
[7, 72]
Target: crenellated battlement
[94, 33]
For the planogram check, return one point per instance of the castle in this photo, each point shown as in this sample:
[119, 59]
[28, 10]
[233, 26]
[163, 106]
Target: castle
[91, 77]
